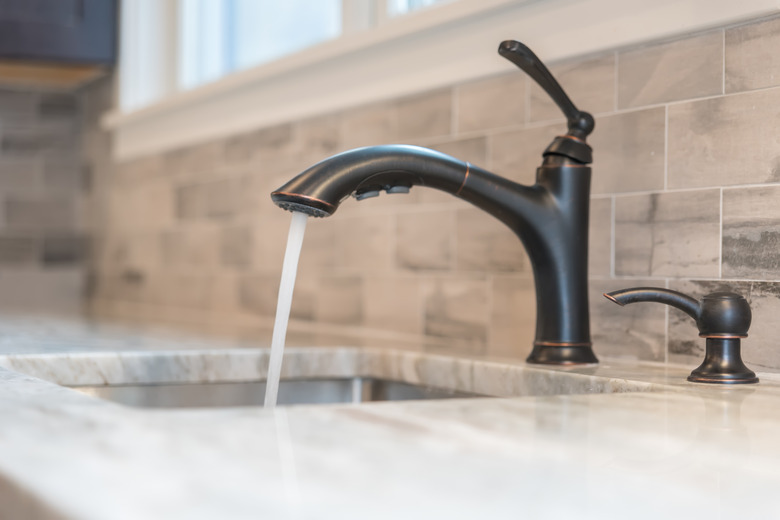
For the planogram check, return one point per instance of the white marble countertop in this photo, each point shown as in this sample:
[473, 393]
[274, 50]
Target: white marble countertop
[654, 446]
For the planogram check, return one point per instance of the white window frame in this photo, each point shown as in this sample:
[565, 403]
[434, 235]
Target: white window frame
[432, 48]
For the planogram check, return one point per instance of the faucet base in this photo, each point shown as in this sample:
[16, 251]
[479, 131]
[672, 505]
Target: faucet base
[562, 354]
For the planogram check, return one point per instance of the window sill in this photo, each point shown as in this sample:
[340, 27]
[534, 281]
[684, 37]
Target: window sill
[453, 43]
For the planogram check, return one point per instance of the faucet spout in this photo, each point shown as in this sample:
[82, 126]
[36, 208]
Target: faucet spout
[364, 172]
[550, 218]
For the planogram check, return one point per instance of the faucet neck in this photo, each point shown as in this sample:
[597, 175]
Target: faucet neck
[551, 220]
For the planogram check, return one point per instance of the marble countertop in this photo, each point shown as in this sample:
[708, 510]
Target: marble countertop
[623, 441]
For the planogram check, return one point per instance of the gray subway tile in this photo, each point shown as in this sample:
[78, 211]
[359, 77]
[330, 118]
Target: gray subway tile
[628, 151]
[258, 293]
[365, 244]
[40, 212]
[369, 125]
[512, 316]
[759, 349]
[600, 235]
[18, 105]
[318, 137]
[38, 290]
[751, 233]
[340, 301]
[590, 83]
[136, 170]
[182, 290]
[473, 150]
[668, 234]
[486, 244]
[195, 247]
[193, 160]
[392, 303]
[20, 173]
[221, 198]
[424, 240]
[682, 69]
[65, 173]
[215, 199]
[34, 141]
[425, 115]
[725, 141]
[190, 202]
[491, 103]
[65, 250]
[19, 250]
[246, 146]
[58, 106]
[236, 245]
[752, 60]
[457, 309]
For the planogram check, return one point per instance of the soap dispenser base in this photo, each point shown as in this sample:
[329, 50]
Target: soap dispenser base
[723, 364]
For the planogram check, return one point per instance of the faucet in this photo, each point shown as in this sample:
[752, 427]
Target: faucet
[550, 218]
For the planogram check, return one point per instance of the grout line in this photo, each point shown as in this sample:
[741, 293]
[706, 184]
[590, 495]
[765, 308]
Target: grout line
[684, 278]
[663, 192]
[527, 101]
[490, 305]
[666, 148]
[723, 70]
[615, 100]
[489, 153]
[666, 328]
[720, 238]
[454, 262]
[666, 333]
[454, 112]
[612, 253]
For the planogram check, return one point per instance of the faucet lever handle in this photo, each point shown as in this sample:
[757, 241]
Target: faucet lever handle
[580, 123]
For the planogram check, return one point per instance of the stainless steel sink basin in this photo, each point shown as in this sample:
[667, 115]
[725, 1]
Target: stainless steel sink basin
[291, 392]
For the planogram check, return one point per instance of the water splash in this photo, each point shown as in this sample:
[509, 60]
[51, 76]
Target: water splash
[283, 304]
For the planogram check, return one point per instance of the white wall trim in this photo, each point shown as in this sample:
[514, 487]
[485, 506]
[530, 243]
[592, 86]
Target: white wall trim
[454, 43]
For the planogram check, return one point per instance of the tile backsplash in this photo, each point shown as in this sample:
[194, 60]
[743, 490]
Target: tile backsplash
[44, 242]
[686, 186]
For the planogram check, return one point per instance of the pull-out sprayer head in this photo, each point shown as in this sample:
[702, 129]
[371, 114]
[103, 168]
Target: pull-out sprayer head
[303, 206]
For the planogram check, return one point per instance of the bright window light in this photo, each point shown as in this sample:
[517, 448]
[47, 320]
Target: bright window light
[398, 7]
[169, 46]
[222, 36]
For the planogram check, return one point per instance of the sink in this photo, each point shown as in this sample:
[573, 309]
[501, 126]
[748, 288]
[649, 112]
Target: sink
[291, 392]
[310, 375]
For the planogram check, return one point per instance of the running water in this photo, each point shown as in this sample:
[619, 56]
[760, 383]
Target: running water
[283, 304]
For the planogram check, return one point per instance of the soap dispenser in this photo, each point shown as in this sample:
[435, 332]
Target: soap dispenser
[723, 319]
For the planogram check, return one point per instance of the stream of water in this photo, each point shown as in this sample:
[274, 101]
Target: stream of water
[283, 304]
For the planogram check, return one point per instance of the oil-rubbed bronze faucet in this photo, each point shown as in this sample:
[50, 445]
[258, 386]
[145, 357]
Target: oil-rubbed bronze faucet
[723, 318]
[550, 217]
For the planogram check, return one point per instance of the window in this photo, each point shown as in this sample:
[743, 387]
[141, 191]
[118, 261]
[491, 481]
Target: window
[170, 46]
[219, 37]
[398, 7]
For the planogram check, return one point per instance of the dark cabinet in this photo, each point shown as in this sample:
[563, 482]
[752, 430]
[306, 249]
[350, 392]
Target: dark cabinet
[73, 31]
